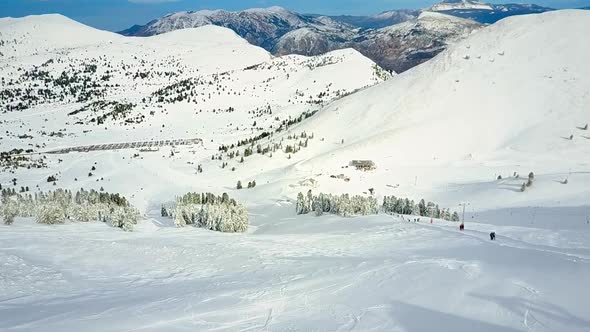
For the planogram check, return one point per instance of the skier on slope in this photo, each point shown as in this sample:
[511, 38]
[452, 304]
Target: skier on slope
[492, 236]
[461, 227]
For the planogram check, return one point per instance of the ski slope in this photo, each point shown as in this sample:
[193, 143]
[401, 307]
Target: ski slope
[503, 101]
[321, 274]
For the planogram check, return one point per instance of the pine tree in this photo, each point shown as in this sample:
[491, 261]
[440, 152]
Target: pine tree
[308, 201]
[416, 211]
[50, 214]
[8, 210]
[317, 206]
[421, 208]
[300, 205]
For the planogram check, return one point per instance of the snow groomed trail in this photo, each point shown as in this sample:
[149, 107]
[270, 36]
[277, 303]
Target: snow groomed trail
[311, 274]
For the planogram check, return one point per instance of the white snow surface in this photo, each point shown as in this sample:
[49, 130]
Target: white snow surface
[504, 100]
[295, 274]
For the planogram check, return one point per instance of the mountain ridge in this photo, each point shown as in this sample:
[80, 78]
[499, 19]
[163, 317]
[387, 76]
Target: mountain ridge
[282, 31]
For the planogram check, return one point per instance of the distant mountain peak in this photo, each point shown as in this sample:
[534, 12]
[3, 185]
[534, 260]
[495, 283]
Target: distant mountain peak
[282, 31]
[461, 4]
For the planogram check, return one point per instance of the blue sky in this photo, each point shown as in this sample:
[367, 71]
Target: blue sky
[120, 14]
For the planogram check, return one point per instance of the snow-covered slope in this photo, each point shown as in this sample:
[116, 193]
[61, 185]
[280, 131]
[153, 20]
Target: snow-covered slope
[47, 35]
[304, 274]
[486, 13]
[505, 100]
[31, 34]
[205, 83]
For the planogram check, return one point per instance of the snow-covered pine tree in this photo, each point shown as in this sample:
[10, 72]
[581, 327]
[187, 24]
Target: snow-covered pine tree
[421, 208]
[50, 214]
[430, 210]
[308, 201]
[124, 218]
[437, 212]
[417, 210]
[300, 205]
[83, 212]
[179, 220]
[317, 206]
[8, 210]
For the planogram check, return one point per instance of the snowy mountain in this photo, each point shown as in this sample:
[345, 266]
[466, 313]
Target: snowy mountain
[284, 32]
[405, 45]
[484, 12]
[461, 5]
[378, 21]
[173, 89]
[508, 98]
[206, 82]
[398, 47]
[202, 110]
[281, 31]
[260, 26]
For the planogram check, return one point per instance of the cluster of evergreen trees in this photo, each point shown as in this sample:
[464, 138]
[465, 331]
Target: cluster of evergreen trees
[250, 185]
[36, 86]
[11, 160]
[192, 90]
[394, 205]
[206, 210]
[342, 205]
[113, 109]
[345, 205]
[59, 206]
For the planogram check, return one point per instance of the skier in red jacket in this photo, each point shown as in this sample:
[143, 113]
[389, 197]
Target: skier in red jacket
[461, 227]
